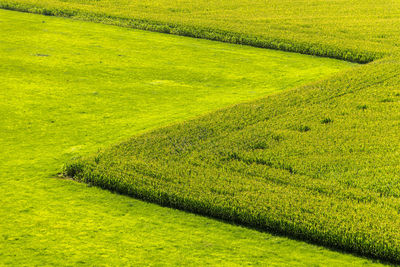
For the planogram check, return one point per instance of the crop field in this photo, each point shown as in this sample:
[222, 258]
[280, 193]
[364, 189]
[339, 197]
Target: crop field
[347, 29]
[313, 163]
[69, 88]
[319, 162]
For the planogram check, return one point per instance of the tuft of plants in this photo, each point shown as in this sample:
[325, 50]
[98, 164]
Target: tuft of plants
[304, 128]
[72, 169]
[387, 100]
[362, 107]
[326, 121]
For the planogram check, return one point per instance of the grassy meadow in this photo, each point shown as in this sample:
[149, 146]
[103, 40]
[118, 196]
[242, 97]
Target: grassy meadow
[326, 155]
[69, 88]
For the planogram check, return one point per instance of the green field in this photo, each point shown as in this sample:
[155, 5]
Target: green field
[347, 29]
[319, 163]
[326, 155]
[69, 88]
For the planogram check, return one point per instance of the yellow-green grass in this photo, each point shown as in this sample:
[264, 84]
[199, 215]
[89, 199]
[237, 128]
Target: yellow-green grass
[353, 30]
[337, 139]
[348, 29]
[320, 163]
[68, 88]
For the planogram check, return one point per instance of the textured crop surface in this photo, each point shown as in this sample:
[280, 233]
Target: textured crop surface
[320, 163]
[347, 29]
[68, 88]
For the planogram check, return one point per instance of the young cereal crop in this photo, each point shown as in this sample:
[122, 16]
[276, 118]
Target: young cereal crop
[319, 162]
[273, 24]
[334, 183]
[69, 87]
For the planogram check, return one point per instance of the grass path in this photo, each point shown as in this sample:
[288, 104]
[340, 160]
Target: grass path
[68, 88]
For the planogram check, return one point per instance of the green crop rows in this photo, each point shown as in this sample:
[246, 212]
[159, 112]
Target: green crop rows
[69, 87]
[320, 162]
[344, 29]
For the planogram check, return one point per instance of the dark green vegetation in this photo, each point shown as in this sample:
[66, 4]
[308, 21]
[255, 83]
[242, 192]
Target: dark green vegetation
[68, 88]
[320, 163]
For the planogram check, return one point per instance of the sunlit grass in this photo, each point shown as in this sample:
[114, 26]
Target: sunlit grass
[69, 88]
